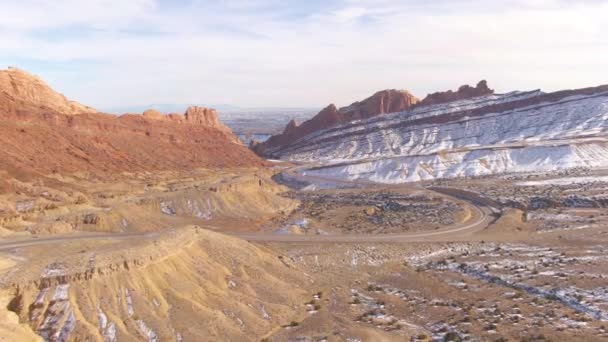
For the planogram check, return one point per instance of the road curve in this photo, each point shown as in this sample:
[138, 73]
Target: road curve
[483, 215]
[444, 235]
[482, 218]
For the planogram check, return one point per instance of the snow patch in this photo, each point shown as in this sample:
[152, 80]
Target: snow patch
[565, 181]
[129, 301]
[149, 333]
[167, 208]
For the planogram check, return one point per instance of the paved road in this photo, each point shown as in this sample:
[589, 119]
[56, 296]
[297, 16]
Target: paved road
[460, 233]
[482, 218]
[11, 243]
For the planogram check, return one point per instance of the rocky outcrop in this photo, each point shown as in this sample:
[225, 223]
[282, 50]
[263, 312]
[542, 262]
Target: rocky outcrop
[382, 102]
[463, 93]
[194, 115]
[202, 115]
[20, 91]
[153, 114]
[42, 132]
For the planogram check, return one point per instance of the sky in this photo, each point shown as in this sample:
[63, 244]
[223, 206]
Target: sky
[304, 53]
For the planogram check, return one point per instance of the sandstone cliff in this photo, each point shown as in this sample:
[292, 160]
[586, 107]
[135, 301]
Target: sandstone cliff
[42, 132]
[21, 91]
[193, 115]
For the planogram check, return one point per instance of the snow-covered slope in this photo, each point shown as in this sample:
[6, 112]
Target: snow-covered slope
[499, 133]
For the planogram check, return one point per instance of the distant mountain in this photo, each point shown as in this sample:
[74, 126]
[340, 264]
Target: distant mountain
[264, 120]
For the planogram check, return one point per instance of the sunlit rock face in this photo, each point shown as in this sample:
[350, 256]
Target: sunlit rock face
[20, 91]
[44, 132]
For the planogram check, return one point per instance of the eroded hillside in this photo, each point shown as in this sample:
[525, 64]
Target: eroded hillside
[237, 199]
[184, 285]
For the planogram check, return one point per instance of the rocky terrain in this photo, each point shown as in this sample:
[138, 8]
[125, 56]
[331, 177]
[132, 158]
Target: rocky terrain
[536, 289]
[381, 211]
[575, 188]
[178, 285]
[237, 199]
[485, 134]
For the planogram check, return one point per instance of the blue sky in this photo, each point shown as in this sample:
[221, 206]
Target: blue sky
[257, 53]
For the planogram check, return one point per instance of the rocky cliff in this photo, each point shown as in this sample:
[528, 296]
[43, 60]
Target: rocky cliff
[382, 102]
[42, 132]
[21, 91]
[193, 115]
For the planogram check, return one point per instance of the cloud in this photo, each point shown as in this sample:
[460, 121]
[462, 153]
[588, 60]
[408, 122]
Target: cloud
[42, 14]
[349, 14]
[265, 53]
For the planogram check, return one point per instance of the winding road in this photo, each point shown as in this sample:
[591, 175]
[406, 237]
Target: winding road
[483, 217]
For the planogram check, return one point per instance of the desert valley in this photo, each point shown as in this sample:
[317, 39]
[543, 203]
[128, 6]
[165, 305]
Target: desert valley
[465, 215]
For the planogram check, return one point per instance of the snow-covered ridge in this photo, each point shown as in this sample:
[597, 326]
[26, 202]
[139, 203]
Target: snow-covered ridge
[475, 163]
[500, 133]
[385, 121]
[434, 110]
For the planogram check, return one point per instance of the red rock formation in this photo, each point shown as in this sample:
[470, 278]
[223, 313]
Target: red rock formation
[152, 114]
[41, 132]
[194, 115]
[201, 115]
[382, 102]
[464, 92]
[20, 90]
